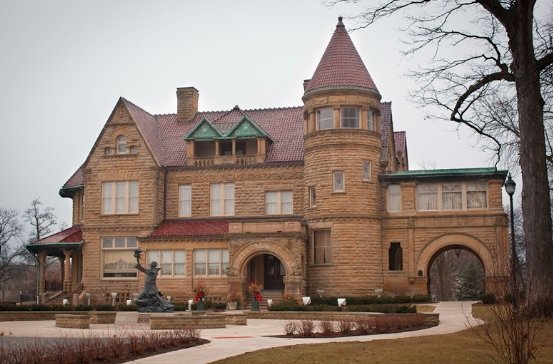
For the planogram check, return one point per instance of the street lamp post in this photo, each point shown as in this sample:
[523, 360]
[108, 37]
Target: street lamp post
[510, 187]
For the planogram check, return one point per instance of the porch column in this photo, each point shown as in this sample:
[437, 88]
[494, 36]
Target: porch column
[217, 149]
[233, 146]
[76, 262]
[62, 269]
[41, 272]
[67, 269]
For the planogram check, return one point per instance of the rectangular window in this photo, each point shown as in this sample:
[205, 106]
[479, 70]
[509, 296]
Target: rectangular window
[185, 201]
[325, 118]
[118, 259]
[171, 262]
[477, 195]
[278, 202]
[321, 247]
[394, 198]
[338, 184]
[120, 197]
[427, 197]
[395, 257]
[222, 199]
[452, 196]
[210, 262]
[350, 117]
[371, 119]
[312, 196]
[366, 171]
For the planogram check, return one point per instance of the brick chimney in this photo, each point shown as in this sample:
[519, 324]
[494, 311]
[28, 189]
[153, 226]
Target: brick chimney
[187, 103]
[305, 83]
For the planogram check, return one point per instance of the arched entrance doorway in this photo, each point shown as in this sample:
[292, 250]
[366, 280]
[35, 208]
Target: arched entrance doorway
[455, 273]
[268, 270]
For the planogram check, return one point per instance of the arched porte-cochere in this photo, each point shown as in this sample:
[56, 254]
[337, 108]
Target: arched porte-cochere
[494, 268]
[268, 270]
[456, 273]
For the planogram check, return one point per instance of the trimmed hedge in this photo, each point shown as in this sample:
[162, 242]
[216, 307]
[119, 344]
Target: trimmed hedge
[372, 300]
[381, 308]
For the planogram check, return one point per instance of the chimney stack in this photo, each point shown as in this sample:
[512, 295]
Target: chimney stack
[187, 103]
[305, 83]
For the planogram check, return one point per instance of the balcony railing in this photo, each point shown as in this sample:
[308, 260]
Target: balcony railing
[240, 160]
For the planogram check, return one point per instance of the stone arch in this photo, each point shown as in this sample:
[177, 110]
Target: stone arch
[243, 256]
[452, 241]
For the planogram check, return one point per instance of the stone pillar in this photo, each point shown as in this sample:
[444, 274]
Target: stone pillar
[217, 149]
[41, 272]
[337, 117]
[67, 269]
[237, 286]
[292, 286]
[76, 261]
[233, 146]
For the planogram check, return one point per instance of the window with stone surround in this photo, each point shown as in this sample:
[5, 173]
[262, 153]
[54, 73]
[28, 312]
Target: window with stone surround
[171, 262]
[279, 202]
[185, 200]
[371, 119]
[451, 196]
[395, 257]
[118, 259]
[121, 143]
[312, 196]
[325, 118]
[222, 199]
[120, 197]
[393, 200]
[210, 262]
[338, 183]
[320, 244]
[367, 171]
[349, 117]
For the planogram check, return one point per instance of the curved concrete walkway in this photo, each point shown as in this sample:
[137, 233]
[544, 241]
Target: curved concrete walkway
[234, 339]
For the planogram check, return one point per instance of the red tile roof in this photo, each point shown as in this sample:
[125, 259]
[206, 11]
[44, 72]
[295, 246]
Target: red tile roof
[71, 235]
[400, 140]
[385, 122]
[341, 67]
[179, 228]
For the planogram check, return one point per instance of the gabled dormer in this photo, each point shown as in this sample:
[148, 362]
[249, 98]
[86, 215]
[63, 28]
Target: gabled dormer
[226, 141]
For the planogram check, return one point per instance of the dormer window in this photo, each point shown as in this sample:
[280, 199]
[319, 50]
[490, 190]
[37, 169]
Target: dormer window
[325, 118]
[349, 117]
[121, 143]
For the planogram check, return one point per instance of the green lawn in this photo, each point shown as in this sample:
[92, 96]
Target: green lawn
[462, 347]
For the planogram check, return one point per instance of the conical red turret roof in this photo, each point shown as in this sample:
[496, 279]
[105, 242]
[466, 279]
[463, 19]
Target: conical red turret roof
[341, 67]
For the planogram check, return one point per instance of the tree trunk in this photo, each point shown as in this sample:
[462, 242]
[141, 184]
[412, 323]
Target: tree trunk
[535, 194]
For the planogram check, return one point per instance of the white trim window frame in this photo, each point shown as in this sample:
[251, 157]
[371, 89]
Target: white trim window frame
[279, 202]
[118, 261]
[477, 195]
[349, 117]
[325, 118]
[393, 198]
[371, 119]
[312, 192]
[210, 262]
[222, 199]
[338, 181]
[120, 197]
[121, 145]
[460, 196]
[171, 262]
[185, 201]
[321, 247]
[367, 171]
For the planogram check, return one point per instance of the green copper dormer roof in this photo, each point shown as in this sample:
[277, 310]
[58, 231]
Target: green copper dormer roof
[243, 129]
[204, 131]
[246, 128]
[458, 173]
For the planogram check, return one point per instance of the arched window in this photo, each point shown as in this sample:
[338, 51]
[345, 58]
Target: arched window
[121, 142]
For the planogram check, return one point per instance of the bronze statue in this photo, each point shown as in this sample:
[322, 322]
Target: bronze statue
[150, 300]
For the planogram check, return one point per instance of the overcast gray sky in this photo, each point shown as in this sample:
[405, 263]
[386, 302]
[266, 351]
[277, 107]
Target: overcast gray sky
[65, 63]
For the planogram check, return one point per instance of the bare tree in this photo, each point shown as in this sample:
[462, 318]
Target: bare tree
[42, 220]
[481, 49]
[10, 246]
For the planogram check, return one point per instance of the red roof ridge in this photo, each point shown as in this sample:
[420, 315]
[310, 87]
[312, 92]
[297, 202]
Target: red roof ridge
[135, 105]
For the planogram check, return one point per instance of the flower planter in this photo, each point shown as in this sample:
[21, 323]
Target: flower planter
[255, 305]
[201, 304]
[233, 305]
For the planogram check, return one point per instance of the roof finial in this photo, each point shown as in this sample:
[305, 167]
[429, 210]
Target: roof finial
[340, 24]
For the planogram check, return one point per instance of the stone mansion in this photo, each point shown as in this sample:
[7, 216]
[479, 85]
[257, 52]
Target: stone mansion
[316, 199]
